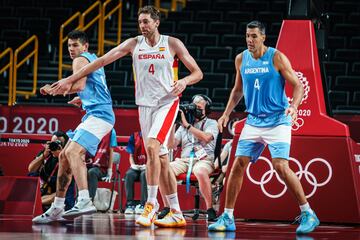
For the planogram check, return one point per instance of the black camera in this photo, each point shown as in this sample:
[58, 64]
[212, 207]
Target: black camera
[188, 110]
[55, 145]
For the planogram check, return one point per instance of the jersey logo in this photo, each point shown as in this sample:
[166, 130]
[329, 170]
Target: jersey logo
[141, 49]
[256, 70]
[161, 49]
[151, 56]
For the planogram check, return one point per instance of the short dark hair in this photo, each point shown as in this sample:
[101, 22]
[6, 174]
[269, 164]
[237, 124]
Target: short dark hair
[154, 12]
[77, 34]
[257, 24]
[63, 135]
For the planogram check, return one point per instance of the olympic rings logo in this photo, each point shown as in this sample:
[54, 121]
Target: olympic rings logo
[309, 176]
[298, 123]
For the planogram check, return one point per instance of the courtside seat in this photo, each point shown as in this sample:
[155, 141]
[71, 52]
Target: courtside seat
[207, 15]
[222, 27]
[204, 39]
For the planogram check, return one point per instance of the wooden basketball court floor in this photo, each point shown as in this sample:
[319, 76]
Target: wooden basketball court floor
[120, 226]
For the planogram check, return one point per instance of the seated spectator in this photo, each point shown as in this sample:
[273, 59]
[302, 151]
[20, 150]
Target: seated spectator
[136, 172]
[45, 165]
[224, 157]
[100, 167]
[198, 137]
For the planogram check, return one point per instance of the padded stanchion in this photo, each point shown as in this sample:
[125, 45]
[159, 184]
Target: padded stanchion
[20, 197]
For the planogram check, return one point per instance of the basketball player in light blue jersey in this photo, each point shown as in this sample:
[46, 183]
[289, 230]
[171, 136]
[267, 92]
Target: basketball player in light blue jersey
[99, 120]
[261, 73]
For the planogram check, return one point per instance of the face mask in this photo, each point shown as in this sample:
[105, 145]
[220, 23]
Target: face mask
[198, 113]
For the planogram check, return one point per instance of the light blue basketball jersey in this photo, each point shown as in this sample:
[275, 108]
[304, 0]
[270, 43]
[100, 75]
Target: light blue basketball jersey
[264, 90]
[96, 98]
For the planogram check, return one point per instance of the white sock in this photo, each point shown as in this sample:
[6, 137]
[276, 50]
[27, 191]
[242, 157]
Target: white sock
[230, 212]
[84, 194]
[152, 193]
[306, 207]
[173, 201]
[59, 202]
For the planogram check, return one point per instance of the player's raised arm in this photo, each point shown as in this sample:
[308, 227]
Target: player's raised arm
[63, 86]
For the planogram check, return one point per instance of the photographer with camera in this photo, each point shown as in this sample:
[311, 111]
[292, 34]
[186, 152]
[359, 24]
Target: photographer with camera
[196, 133]
[45, 165]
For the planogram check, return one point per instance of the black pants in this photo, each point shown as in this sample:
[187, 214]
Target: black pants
[130, 178]
[94, 176]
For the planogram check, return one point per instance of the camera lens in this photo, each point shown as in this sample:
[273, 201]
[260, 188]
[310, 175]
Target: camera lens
[56, 145]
